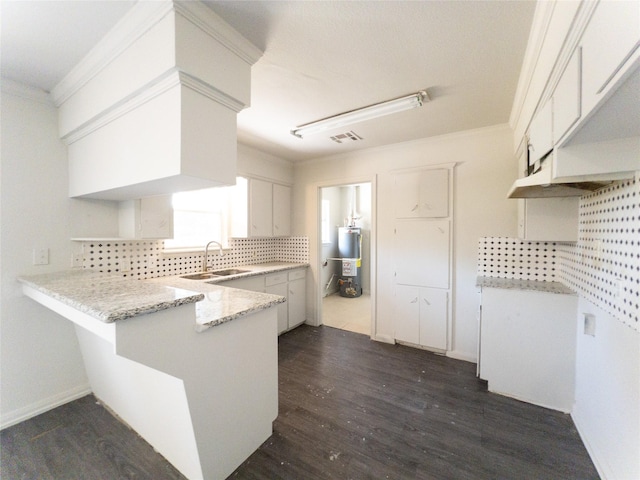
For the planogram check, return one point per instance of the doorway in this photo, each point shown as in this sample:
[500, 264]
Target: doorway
[345, 275]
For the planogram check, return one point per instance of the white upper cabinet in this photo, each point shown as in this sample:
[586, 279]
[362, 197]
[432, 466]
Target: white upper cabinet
[541, 133]
[281, 210]
[611, 38]
[150, 217]
[261, 209]
[422, 193]
[566, 98]
[152, 109]
[548, 219]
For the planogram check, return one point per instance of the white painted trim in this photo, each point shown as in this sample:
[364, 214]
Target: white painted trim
[602, 471]
[151, 90]
[384, 339]
[139, 20]
[11, 87]
[214, 26]
[458, 355]
[24, 413]
[540, 25]
[373, 272]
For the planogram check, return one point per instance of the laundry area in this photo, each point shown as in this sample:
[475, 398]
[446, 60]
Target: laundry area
[346, 257]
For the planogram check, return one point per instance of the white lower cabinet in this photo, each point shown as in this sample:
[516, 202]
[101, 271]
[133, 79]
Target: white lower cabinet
[296, 298]
[290, 284]
[528, 345]
[421, 316]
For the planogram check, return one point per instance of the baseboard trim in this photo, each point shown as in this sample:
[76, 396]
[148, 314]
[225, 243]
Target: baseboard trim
[602, 472]
[457, 355]
[21, 414]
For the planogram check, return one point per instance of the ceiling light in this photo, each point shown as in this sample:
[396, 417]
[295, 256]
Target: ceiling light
[360, 115]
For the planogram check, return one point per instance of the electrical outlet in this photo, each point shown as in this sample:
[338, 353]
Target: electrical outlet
[125, 265]
[41, 256]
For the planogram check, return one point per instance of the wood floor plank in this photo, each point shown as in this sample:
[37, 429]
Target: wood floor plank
[348, 408]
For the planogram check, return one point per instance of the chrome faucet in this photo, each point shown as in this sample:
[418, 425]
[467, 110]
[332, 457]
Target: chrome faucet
[205, 260]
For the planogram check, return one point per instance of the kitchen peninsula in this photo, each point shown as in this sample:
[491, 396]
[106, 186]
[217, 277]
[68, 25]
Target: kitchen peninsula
[191, 366]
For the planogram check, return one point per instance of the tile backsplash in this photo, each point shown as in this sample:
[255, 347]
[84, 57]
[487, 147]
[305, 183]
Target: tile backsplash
[602, 266]
[143, 259]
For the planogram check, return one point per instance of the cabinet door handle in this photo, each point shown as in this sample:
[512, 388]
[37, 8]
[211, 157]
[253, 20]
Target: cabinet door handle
[415, 208]
[414, 300]
[426, 301]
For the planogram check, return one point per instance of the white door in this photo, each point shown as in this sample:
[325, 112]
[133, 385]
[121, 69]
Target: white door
[422, 252]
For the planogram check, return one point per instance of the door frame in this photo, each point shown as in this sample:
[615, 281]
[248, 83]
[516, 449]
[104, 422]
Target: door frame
[343, 182]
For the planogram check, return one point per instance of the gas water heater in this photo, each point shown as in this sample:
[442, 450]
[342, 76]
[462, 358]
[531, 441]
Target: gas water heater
[350, 250]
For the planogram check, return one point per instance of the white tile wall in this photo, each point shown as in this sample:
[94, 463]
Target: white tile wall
[145, 258]
[603, 266]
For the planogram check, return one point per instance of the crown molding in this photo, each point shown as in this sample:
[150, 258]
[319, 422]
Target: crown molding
[139, 20]
[141, 17]
[539, 27]
[153, 89]
[214, 26]
[17, 89]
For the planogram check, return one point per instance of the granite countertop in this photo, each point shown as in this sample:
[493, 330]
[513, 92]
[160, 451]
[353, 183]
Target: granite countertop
[111, 297]
[222, 304]
[517, 284]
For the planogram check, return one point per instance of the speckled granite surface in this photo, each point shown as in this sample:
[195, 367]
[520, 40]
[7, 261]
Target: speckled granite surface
[516, 284]
[111, 297]
[223, 304]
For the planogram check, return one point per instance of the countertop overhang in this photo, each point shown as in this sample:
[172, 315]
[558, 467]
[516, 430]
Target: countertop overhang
[111, 297]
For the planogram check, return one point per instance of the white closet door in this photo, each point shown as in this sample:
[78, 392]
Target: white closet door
[433, 318]
[407, 312]
[422, 252]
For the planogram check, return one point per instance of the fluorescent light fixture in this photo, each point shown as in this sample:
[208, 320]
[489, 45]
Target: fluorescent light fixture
[360, 115]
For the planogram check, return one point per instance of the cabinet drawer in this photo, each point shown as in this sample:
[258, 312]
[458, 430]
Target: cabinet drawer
[297, 274]
[275, 279]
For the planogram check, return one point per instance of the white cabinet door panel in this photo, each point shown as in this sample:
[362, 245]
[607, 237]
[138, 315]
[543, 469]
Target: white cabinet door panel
[433, 318]
[423, 194]
[407, 312]
[296, 300]
[422, 253]
[283, 313]
[260, 208]
[281, 210]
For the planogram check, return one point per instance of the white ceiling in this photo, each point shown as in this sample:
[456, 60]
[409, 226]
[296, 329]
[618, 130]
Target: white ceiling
[320, 58]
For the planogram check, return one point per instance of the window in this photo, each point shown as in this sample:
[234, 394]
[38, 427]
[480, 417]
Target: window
[200, 216]
[326, 221]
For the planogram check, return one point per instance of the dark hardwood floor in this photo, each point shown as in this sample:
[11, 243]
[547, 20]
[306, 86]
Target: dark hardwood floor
[349, 408]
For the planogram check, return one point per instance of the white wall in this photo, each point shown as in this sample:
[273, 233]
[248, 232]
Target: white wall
[41, 366]
[486, 168]
[607, 407]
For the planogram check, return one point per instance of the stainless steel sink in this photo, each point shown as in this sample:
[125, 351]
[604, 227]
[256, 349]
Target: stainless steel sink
[200, 276]
[230, 271]
[217, 273]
